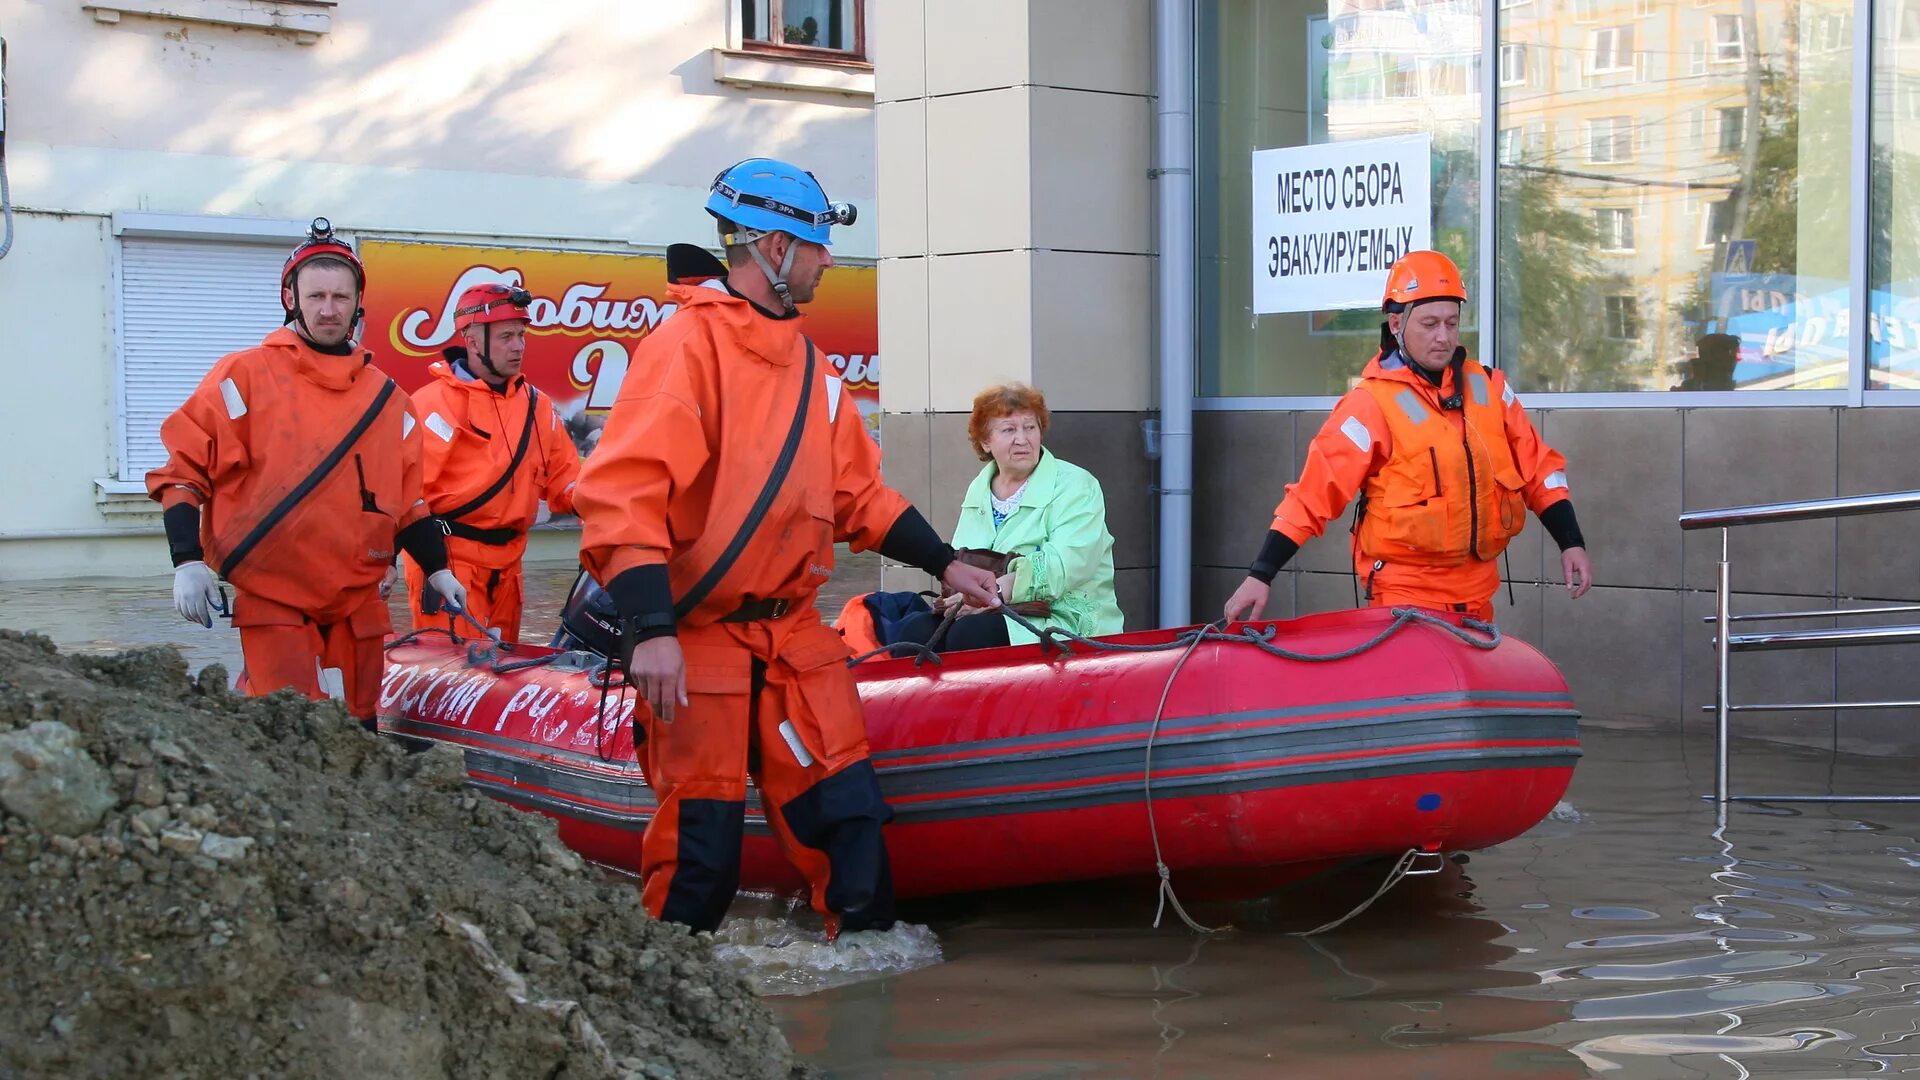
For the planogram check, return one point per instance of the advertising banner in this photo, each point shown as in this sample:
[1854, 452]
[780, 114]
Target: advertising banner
[590, 310]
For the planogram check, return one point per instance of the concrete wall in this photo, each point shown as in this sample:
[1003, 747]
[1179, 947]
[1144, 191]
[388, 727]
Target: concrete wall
[598, 124]
[1635, 650]
[1015, 243]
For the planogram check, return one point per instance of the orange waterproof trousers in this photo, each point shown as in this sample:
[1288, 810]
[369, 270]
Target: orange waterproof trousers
[282, 648]
[493, 594]
[771, 699]
[1467, 587]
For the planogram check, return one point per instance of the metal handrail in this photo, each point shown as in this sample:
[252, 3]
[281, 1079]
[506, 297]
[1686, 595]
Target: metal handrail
[1901, 609]
[1844, 637]
[1726, 643]
[1802, 510]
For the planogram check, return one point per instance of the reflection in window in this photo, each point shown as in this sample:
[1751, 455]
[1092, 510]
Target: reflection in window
[1728, 46]
[1277, 73]
[1893, 262]
[1610, 140]
[1613, 49]
[1733, 129]
[1623, 318]
[1694, 232]
[1513, 65]
[1615, 225]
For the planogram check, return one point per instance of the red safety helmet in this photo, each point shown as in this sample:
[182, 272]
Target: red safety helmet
[321, 241]
[491, 303]
[1420, 276]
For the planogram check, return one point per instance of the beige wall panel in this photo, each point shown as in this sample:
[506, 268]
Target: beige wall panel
[900, 134]
[897, 31]
[981, 330]
[1092, 341]
[1104, 45]
[978, 172]
[976, 44]
[903, 335]
[1090, 156]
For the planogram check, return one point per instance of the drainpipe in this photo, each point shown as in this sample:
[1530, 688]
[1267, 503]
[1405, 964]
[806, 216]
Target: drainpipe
[1173, 168]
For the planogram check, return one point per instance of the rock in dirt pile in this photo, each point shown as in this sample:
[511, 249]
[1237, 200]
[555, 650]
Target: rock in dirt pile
[194, 883]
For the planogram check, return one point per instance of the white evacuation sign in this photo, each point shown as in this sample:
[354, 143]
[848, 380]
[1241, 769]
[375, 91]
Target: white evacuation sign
[1329, 220]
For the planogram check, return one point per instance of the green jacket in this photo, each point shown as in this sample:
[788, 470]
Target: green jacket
[1060, 532]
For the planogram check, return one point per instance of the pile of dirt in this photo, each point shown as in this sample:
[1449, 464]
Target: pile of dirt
[198, 884]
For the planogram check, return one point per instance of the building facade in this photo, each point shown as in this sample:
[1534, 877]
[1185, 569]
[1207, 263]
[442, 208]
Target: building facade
[1689, 230]
[162, 158]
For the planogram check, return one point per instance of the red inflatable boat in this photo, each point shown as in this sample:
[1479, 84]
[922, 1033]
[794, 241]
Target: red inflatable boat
[1020, 765]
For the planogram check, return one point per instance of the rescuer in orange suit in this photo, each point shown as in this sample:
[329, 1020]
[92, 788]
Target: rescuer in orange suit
[1443, 457]
[732, 461]
[497, 459]
[293, 470]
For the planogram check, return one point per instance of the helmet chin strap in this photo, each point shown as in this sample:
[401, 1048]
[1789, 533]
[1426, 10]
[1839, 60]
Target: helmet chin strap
[486, 351]
[777, 278]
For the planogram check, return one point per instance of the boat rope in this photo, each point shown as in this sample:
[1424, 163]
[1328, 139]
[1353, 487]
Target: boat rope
[1167, 895]
[1471, 632]
[1402, 868]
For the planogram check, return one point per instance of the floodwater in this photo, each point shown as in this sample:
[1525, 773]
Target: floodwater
[1629, 935]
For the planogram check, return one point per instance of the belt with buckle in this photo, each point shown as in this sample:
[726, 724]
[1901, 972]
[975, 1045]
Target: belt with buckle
[758, 611]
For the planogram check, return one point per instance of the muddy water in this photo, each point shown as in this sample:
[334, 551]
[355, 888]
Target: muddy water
[1625, 937]
[1629, 936]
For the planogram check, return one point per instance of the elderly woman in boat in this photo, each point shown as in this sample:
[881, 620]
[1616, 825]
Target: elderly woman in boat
[1045, 517]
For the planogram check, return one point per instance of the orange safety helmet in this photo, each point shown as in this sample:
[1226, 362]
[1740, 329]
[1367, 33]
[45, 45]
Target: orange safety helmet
[321, 241]
[491, 303]
[1420, 276]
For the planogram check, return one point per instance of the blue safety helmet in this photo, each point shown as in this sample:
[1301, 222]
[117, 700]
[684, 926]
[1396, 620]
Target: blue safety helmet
[762, 195]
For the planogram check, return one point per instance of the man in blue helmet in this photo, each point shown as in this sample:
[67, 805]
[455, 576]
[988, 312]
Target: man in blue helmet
[731, 464]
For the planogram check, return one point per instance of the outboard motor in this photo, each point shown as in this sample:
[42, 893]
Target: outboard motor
[589, 621]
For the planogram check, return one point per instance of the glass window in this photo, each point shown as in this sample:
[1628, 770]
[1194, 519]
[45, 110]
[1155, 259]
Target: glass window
[832, 25]
[1623, 318]
[1728, 46]
[1693, 232]
[1615, 225]
[1276, 73]
[1893, 263]
[1612, 50]
[1513, 65]
[1609, 140]
[1733, 129]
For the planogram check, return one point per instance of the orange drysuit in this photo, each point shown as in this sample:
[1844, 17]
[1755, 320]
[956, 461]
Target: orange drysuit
[471, 434]
[1445, 489]
[306, 569]
[702, 416]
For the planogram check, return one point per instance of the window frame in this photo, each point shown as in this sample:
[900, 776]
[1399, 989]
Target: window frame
[1618, 135]
[1615, 65]
[854, 57]
[1629, 312]
[1716, 48]
[1721, 128]
[1607, 221]
[1520, 50]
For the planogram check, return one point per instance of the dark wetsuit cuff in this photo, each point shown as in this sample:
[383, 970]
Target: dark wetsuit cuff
[643, 598]
[1562, 525]
[912, 541]
[426, 542]
[183, 533]
[1273, 555]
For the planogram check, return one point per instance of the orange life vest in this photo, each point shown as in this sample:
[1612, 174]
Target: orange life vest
[1450, 490]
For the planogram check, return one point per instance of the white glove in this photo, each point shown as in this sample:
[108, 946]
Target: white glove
[449, 588]
[387, 579]
[541, 515]
[196, 592]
